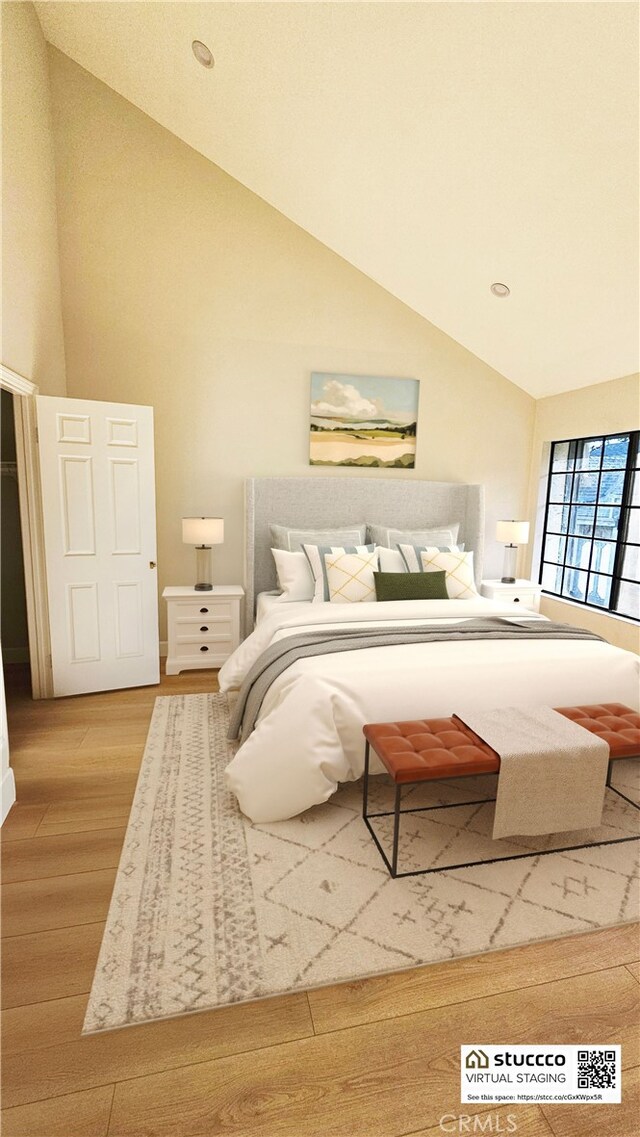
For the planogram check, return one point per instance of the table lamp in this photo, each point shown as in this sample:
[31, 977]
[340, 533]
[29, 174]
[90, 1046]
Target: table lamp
[512, 534]
[203, 532]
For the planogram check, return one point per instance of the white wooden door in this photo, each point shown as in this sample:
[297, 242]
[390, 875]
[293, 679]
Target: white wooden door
[98, 499]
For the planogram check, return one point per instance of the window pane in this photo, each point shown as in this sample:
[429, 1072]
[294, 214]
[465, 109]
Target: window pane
[554, 548]
[633, 531]
[615, 451]
[607, 521]
[560, 488]
[582, 518]
[586, 487]
[635, 491]
[589, 453]
[578, 552]
[631, 562]
[604, 554]
[551, 577]
[611, 486]
[574, 584]
[562, 459]
[558, 518]
[629, 599]
[599, 590]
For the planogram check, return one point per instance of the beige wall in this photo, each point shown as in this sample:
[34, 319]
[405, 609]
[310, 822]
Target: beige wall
[32, 338]
[183, 290]
[601, 409]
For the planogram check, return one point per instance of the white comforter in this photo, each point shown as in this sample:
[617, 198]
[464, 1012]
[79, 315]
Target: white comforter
[308, 736]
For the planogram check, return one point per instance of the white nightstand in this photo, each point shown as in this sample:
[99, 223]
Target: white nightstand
[203, 627]
[523, 592]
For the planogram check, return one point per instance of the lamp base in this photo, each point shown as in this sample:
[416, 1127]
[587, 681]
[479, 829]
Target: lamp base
[203, 568]
[509, 566]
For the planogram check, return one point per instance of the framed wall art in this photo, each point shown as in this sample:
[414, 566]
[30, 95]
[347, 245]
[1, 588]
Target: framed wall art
[363, 420]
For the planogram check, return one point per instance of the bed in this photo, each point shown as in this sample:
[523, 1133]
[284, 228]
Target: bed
[308, 730]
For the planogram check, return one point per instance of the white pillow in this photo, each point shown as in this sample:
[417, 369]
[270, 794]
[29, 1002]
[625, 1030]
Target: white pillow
[442, 535]
[350, 577]
[390, 560]
[294, 575]
[458, 566]
[284, 537]
[315, 556]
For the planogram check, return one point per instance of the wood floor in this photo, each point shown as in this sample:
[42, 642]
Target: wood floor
[376, 1058]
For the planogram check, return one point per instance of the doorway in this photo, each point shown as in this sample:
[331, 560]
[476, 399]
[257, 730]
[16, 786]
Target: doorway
[14, 633]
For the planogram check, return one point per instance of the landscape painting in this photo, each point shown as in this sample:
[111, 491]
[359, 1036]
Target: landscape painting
[363, 420]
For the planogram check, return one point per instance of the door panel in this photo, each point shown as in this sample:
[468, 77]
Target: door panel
[97, 473]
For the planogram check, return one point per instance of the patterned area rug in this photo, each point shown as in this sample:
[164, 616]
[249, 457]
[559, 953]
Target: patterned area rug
[209, 909]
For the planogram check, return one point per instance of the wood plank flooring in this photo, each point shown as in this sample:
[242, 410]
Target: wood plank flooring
[374, 1058]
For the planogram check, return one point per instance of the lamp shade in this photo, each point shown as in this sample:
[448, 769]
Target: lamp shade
[203, 530]
[513, 532]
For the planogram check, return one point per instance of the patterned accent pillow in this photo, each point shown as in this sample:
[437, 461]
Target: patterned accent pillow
[284, 537]
[315, 555]
[411, 585]
[458, 567]
[350, 577]
[411, 554]
[446, 534]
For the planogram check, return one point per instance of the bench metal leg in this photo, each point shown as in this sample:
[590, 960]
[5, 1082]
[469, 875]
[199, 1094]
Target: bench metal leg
[396, 831]
[392, 865]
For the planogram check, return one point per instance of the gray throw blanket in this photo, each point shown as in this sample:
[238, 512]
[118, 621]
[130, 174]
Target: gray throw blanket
[322, 641]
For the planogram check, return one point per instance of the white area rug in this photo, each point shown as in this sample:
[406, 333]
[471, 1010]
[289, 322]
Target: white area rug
[209, 909]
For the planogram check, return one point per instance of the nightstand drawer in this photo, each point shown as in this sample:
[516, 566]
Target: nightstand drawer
[203, 624]
[527, 599]
[523, 593]
[202, 650]
[190, 610]
[203, 633]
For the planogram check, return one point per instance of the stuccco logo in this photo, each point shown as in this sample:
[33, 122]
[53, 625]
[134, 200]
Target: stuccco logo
[477, 1060]
[510, 1059]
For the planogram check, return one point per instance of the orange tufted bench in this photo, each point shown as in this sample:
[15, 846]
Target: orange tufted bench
[427, 749]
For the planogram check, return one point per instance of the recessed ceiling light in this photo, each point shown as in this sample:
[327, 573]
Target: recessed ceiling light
[500, 289]
[202, 53]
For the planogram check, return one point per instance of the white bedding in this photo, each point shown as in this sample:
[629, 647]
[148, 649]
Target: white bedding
[266, 602]
[308, 736]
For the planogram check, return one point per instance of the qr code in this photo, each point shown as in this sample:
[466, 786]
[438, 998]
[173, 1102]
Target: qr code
[596, 1069]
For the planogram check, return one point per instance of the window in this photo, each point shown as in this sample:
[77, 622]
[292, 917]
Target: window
[591, 541]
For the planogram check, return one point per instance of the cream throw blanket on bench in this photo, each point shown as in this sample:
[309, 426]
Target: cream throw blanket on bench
[552, 772]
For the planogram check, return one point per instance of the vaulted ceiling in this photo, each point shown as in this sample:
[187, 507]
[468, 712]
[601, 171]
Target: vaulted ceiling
[438, 147]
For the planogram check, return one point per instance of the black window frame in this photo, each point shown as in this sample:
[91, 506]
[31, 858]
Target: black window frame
[631, 471]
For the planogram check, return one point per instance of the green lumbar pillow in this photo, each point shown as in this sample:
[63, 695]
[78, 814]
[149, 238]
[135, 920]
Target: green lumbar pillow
[410, 585]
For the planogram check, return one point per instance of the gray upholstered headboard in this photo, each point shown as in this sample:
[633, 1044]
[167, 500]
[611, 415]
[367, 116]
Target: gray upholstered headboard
[331, 502]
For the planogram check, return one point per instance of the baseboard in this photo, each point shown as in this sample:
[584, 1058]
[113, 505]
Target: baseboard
[7, 793]
[15, 654]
